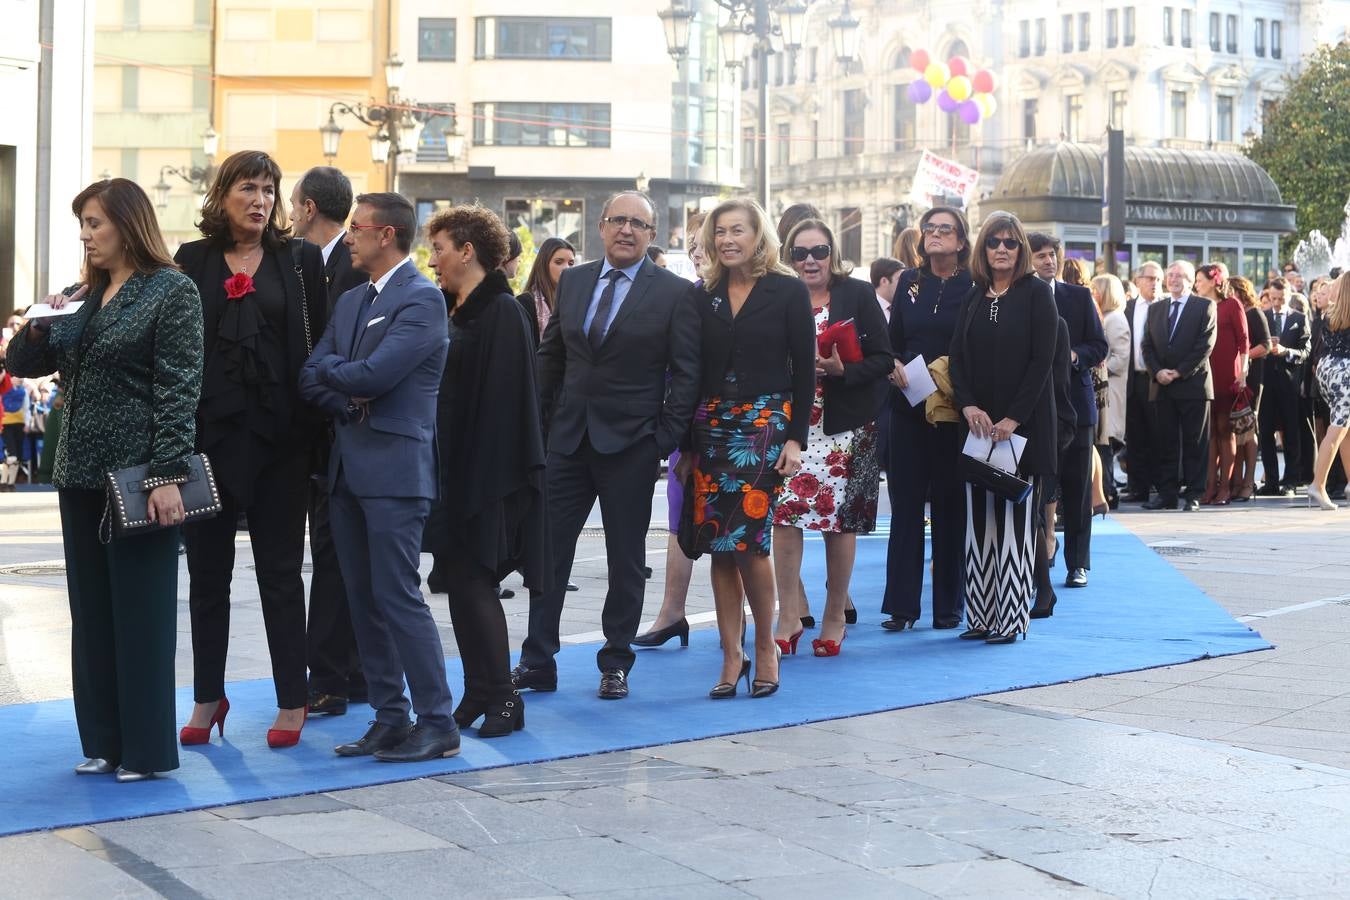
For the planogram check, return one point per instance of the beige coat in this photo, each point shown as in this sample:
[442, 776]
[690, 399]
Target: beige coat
[1111, 422]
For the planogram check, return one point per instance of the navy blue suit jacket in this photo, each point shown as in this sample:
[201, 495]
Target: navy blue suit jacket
[395, 361]
[1088, 340]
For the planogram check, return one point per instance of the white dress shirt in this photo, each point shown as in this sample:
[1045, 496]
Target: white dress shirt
[328, 247]
[1137, 329]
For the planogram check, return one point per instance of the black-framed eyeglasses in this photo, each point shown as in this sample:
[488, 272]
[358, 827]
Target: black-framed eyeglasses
[941, 229]
[819, 251]
[621, 222]
[992, 243]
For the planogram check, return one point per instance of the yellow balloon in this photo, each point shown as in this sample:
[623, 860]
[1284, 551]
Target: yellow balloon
[987, 105]
[959, 88]
[936, 74]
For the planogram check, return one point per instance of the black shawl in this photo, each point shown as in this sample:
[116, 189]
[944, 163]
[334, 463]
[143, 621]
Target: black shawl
[491, 442]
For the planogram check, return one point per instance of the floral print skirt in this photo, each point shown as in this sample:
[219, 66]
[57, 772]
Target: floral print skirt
[837, 487]
[730, 499]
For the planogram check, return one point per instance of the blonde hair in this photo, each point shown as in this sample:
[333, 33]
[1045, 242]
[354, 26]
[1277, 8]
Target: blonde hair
[1338, 309]
[838, 268]
[763, 259]
[1109, 293]
[999, 221]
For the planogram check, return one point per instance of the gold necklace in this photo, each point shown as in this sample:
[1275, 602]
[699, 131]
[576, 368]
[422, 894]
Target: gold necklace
[993, 303]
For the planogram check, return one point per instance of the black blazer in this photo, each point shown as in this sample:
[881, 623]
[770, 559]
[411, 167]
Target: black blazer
[1087, 339]
[1187, 351]
[338, 273]
[770, 344]
[1294, 345]
[1010, 374]
[855, 398]
[620, 394]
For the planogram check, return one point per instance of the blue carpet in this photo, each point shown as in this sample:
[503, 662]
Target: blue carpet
[1138, 613]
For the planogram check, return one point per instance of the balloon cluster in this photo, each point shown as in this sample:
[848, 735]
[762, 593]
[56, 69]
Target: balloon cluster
[971, 96]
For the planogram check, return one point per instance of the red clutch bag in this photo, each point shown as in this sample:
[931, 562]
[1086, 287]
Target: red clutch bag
[844, 336]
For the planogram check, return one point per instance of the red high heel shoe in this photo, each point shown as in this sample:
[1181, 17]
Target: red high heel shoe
[190, 736]
[828, 648]
[789, 647]
[280, 738]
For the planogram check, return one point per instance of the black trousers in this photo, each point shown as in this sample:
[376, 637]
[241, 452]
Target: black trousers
[623, 483]
[1183, 446]
[276, 528]
[1107, 453]
[480, 624]
[1280, 412]
[334, 663]
[1043, 493]
[1139, 440]
[124, 630]
[1075, 498]
[922, 468]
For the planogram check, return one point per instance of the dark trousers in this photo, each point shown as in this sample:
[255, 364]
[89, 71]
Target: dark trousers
[922, 468]
[1043, 493]
[623, 483]
[379, 542]
[1139, 427]
[480, 624]
[124, 629]
[1107, 453]
[1280, 412]
[334, 663]
[1182, 446]
[1075, 498]
[276, 529]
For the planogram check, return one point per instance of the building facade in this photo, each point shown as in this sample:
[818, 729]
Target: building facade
[554, 113]
[45, 134]
[1187, 76]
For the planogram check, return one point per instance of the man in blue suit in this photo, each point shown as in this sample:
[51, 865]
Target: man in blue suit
[377, 370]
[1088, 348]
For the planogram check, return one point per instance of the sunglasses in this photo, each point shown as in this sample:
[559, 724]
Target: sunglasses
[819, 252]
[943, 229]
[1008, 243]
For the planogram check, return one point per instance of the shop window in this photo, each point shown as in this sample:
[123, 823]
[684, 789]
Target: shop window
[1193, 255]
[1256, 264]
[1226, 255]
[1152, 253]
[547, 218]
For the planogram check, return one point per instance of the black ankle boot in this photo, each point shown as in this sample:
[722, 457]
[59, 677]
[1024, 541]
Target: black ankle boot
[504, 717]
[469, 709]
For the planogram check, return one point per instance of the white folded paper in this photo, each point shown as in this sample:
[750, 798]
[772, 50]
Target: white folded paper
[921, 383]
[1005, 454]
[45, 311]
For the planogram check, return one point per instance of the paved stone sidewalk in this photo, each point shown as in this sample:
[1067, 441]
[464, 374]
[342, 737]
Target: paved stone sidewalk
[1221, 778]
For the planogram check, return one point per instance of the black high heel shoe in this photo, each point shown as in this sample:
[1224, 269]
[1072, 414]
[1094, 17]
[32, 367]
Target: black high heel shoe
[658, 636]
[468, 711]
[995, 638]
[1044, 610]
[897, 623]
[974, 634]
[724, 691]
[851, 616]
[808, 621]
[504, 717]
[760, 688]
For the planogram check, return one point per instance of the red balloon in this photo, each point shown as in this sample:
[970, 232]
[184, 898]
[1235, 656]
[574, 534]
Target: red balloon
[958, 65]
[919, 59]
[983, 82]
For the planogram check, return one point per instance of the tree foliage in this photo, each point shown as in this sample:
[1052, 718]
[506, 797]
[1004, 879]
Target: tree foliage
[1305, 143]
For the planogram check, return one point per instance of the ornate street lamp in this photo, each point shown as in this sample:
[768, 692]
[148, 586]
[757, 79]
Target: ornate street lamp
[331, 134]
[675, 21]
[197, 177]
[844, 34]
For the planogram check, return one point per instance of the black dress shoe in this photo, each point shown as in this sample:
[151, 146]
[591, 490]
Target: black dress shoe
[1044, 607]
[613, 685]
[1270, 490]
[503, 717]
[974, 634]
[1190, 504]
[658, 636]
[421, 744]
[327, 705]
[541, 680]
[942, 624]
[1160, 503]
[379, 737]
[1004, 638]
[1077, 578]
[1134, 497]
[898, 623]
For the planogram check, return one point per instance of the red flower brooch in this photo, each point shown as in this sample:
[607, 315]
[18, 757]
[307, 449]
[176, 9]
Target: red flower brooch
[237, 285]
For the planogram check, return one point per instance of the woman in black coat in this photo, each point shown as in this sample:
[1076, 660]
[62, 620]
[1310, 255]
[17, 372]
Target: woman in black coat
[492, 460]
[1001, 358]
[836, 491]
[922, 468]
[264, 304]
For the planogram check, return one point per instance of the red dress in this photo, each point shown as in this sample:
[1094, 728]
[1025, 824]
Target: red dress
[1230, 344]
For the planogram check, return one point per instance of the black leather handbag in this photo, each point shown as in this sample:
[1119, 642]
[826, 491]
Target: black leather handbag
[984, 474]
[126, 513]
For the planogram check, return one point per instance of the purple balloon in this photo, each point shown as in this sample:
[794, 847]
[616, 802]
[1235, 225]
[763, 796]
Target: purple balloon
[970, 111]
[946, 102]
[920, 91]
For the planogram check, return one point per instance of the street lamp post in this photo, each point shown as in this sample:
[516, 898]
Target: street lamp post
[199, 177]
[750, 28]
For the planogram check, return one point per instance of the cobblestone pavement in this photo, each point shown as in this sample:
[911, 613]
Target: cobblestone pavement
[1221, 778]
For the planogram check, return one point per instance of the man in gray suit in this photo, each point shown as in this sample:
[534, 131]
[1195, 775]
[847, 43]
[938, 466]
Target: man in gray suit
[377, 370]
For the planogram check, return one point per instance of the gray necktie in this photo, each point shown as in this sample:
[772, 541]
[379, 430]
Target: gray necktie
[596, 333]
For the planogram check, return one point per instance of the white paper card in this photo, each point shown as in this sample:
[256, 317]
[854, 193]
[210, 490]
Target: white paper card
[921, 383]
[45, 311]
[1005, 455]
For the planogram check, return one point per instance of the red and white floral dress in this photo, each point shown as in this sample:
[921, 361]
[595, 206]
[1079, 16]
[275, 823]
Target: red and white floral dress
[837, 487]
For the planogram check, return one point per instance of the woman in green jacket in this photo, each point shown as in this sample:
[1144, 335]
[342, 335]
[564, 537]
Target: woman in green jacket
[130, 363]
